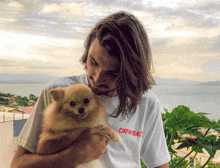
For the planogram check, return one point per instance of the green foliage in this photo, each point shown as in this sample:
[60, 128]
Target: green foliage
[22, 101]
[210, 165]
[187, 122]
[4, 101]
[33, 97]
[5, 94]
[212, 144]
[175, 160]
[143, 165]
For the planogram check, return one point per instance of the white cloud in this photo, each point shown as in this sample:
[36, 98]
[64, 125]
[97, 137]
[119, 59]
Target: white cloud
[96, 12]
[168, 3]
[15, 54]
[183, 72]
[185, 58]
[65, 9]
[10, 12]
[76, 70]
[213, 67]
[11, 8]
[184, 35]
[53, 52]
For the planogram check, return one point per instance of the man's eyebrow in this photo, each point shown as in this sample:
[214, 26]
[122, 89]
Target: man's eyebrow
[110, 71]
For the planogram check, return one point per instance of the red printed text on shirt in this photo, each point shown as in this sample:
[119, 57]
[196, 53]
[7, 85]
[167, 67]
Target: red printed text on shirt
[130, 132]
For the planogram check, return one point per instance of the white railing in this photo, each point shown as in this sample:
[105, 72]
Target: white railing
[10, 116]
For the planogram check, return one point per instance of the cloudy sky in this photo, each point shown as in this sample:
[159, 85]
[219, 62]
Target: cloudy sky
[47, 37]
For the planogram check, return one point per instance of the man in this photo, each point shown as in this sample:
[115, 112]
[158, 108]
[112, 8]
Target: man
[118, 63]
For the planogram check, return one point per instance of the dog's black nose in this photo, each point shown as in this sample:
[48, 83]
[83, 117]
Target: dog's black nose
[81, 110]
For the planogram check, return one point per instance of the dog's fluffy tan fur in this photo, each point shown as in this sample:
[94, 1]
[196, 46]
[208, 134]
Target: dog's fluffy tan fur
[73, 109]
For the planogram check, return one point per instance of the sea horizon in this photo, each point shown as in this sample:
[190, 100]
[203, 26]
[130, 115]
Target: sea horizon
[197, 98]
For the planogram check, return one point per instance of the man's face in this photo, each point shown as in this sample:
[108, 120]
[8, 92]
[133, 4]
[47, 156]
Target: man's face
[102, 70]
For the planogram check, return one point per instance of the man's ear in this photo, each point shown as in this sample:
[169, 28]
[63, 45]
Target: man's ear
[57, 93]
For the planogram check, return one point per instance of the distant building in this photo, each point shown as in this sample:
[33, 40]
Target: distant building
[28, 110]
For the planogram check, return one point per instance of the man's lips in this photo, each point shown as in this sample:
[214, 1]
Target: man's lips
[91, 82]
[99, 90]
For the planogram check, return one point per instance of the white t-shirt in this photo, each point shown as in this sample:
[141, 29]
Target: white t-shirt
[142, 133]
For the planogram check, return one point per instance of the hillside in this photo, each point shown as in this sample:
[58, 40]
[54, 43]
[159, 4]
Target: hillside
[215, 83]
[40, 79]
[174, 81]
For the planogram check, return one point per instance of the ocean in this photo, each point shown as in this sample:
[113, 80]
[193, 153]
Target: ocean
[197, 98]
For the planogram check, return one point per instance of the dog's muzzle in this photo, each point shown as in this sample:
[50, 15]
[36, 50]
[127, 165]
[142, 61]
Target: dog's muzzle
[82, 113]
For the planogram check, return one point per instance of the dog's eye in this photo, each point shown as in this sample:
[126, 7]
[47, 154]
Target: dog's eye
[86, 101]
[72, 103]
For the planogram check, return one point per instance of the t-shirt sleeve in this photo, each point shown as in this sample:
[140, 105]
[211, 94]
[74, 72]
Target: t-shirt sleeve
[154, 151]
[29, 135]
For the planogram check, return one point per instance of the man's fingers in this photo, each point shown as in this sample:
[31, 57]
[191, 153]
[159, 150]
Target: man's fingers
[96, 134]
[98, 130]
[103, 136]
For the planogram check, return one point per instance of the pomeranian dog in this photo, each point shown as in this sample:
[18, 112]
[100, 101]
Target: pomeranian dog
[73, 110]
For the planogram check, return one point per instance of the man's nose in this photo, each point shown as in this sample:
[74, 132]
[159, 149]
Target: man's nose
[99, 77]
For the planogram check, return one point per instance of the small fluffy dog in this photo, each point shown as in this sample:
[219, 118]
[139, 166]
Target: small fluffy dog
[73, 109]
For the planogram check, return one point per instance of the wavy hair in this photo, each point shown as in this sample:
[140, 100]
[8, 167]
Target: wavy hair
[123, 36]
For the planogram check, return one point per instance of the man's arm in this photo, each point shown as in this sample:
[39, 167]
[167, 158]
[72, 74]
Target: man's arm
[163, 166]
[89, 146]
[25, 159]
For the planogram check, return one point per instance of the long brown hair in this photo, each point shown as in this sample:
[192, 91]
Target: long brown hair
[124, 37]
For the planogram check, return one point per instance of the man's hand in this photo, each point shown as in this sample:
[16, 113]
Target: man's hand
[89, 146]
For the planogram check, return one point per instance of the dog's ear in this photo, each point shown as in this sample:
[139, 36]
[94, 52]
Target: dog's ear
[57, 93]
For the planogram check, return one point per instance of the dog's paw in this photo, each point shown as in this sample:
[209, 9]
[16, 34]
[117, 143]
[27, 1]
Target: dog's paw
[117, 138]
[112, 135]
